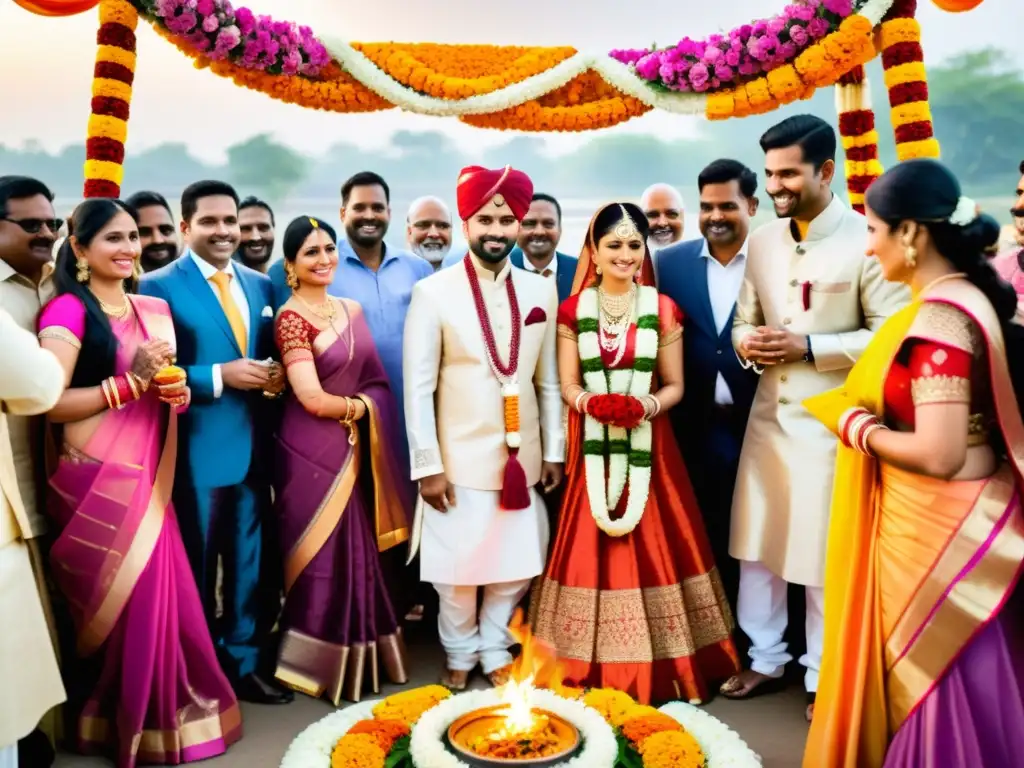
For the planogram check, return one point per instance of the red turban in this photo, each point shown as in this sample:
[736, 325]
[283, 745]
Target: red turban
[478, 186]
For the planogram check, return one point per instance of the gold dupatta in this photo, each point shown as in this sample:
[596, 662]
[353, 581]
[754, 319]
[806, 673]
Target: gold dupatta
[862, 699]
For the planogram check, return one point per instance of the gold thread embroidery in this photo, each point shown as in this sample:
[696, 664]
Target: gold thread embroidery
[946, 324]
[60, 333]
[927, 390]
[632, 625]
[293, 333]
[566, 332]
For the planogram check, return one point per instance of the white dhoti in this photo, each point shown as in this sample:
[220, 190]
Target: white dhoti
[762, 612]
[477, 544]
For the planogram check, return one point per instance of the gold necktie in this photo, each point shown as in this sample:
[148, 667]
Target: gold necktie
[222, 280]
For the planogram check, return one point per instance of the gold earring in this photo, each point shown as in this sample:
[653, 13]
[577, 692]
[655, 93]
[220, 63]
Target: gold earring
[598, 270]
[909, 254]
[290, 278]
[83, 270]
[137, 270]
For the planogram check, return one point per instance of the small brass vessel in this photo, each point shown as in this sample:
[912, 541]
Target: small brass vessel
[483, 722]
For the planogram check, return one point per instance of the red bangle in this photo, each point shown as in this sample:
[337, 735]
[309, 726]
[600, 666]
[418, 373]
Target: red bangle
[125, 393]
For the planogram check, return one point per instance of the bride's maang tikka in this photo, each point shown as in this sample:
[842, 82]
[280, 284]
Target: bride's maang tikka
[626, 229]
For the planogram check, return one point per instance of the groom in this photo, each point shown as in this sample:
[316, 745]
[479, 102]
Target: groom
[223, 322]
[484, 418]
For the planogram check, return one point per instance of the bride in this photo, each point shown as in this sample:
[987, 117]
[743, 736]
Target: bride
[630, 598]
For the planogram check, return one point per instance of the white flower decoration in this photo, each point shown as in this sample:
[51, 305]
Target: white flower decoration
[966, 211]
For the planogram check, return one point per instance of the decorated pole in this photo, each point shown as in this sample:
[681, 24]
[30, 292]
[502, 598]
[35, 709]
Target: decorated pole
[858, 134]
[907, 82]
[111, 99]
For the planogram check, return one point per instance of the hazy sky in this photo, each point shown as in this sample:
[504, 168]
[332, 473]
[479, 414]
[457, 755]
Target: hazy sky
[47, 65]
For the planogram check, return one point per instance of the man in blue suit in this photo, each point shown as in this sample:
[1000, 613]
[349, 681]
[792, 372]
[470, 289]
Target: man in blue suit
[704, 277]
[538, 239]
[224, 324]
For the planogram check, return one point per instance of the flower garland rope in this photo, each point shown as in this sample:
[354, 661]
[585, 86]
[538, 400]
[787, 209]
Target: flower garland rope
[113, 75]
[858, 134]
[907, 82]
[628, 453]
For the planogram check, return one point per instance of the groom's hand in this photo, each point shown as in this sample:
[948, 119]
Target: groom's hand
[437, 492]
[551, 476]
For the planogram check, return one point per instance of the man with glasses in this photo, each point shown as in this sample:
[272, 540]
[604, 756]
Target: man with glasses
[28, 230]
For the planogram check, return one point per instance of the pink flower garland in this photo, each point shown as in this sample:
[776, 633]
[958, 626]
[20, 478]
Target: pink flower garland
[720, 60]
[219, 31]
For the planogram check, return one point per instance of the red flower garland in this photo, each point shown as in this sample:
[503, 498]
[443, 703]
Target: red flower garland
[616, 410]
[857, 128]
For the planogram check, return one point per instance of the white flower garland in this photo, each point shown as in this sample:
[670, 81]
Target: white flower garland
[313, 747]
[722, 746]
[618, 75]
[623, 381]
[427, 748]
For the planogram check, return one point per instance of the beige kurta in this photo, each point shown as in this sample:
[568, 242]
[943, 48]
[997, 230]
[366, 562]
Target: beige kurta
[784, 487]
[31, 381]
[454, 416]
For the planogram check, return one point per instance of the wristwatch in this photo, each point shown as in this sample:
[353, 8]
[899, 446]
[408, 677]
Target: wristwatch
[809, 354]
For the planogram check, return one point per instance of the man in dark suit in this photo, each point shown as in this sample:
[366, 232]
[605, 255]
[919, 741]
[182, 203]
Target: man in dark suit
[538, 240]
[704, 277]
[224, 324]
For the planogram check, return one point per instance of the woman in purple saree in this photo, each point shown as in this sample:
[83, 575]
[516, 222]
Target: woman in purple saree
[335, 517]
[118, 560]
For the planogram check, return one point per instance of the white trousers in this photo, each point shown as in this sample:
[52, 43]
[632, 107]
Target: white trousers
[9, 756]
[762, 613]
[472, 637]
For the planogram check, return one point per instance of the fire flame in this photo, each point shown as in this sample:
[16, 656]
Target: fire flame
[536, 667]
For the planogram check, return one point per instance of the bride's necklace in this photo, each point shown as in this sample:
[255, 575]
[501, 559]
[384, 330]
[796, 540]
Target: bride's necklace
[614, 318]
[118, 313]
[326, 311]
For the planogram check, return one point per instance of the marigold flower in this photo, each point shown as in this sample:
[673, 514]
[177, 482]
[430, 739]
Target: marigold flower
[672, 749]
[358, 751]
[639, 729]
[385, 732]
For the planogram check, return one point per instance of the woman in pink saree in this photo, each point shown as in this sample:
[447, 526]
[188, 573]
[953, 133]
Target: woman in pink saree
[159, 696]
[343, 495]
[924, 631]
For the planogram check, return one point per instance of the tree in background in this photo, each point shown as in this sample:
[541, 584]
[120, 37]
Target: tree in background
[262, 166]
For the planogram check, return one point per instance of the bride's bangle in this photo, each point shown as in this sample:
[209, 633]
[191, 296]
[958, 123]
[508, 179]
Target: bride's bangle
[580, 398]
[652, 407]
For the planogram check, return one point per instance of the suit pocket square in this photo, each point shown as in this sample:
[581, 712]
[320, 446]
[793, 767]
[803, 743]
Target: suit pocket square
[267, 311]
[537, 315]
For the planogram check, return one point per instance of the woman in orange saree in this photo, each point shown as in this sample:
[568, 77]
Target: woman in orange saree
[924, 642]
[155, 692]
[630, 598]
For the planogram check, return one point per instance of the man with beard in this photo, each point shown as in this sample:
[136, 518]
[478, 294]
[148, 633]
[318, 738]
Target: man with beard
[1010, 263]
[538, 238]
[484, 415]
[809, 305]
[224, 327]
[28, 231]
[157, 233]
[256, 223]
[663, 205]
[428, 229]
[703, 277]
[380, 278]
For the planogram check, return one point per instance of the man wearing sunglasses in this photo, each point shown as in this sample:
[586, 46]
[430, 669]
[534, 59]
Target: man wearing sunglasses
[157, 232]
[28, 230]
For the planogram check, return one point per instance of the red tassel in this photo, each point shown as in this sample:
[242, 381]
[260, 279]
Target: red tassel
[515, 494]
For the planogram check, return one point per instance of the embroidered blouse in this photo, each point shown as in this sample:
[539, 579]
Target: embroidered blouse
[295, 336]
[942, 360]
[670, 319]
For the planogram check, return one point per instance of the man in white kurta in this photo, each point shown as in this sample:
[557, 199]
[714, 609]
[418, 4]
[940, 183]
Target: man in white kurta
[809, 305]
[31, 382]
[456, 423]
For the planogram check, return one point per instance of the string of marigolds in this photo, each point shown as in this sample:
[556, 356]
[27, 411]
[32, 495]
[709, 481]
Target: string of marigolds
[907, 82]
[858, 134]
[111, 98]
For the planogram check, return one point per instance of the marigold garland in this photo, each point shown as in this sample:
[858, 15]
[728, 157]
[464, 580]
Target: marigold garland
[906, 80]
[113, 75]
[822, 64]
[672, 749]
[358, 750]
[858, 134]
[408, 706]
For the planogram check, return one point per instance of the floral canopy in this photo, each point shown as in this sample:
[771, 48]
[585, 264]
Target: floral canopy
[752, 69]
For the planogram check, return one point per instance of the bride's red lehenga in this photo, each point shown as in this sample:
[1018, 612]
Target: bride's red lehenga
[643, 613]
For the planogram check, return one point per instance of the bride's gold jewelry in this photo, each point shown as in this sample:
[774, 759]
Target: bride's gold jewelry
[326, 311]
[615, 306]
[626, 229]
[118, 313]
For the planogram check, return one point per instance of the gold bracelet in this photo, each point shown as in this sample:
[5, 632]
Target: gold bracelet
[112, 385]
[105, 388]
[130, 378]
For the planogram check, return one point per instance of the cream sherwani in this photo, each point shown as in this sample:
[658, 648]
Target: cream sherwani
[31, 382]
[784, 488]
[455, 421]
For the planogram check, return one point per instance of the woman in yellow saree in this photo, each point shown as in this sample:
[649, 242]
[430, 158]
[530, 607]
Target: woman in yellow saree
[924, 638]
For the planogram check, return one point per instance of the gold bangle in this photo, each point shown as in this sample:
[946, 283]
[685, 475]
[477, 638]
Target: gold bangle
[112, 385]
[130, 378]
[105, 388]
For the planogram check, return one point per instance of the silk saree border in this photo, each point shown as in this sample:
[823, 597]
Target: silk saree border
[165, 746]
[96, 629]
[390, 516]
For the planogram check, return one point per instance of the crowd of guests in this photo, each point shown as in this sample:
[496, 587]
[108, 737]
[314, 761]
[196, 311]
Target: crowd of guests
[230, 478]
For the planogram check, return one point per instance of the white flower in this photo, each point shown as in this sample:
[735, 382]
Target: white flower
[513, 439]
[966, 211]
[722, 746]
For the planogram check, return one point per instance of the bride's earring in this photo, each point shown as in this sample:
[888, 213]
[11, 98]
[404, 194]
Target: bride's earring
[291, 279]
[82, 273]
[909, 254]
[598, 270]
